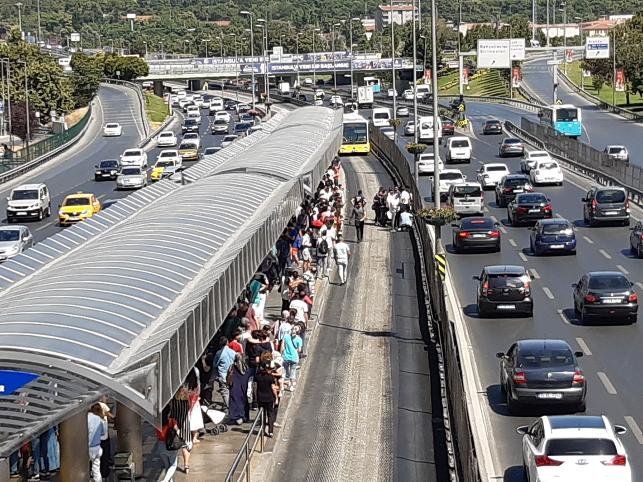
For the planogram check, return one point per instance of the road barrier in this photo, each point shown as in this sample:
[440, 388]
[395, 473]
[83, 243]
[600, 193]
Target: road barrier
[463, 460]
[583, 158]
[240, 469]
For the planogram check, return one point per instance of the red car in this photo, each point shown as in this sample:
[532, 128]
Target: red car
[448, 127]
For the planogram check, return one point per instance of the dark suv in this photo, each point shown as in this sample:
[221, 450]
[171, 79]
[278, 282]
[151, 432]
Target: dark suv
[510, 186]
[608, 295]
[504, 289]
[492, 126]
[606, 204]
[189, 125]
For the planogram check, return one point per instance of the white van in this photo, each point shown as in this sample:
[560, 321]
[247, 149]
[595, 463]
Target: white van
[421, 90]
[466, 198]
[447, 178]
[381, 116]
[425, 129]
[459, 149]
[216, 104]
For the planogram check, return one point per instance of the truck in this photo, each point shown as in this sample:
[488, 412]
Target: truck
[283, 88]
[365, 97]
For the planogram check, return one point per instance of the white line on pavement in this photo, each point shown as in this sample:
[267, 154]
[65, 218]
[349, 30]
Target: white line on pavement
[563, 317]
[622, 269]
[44, 226]
[604, 253]
[606, 383]
[583, 346]
[523, 257]
[634, 427]
[639, 284]
[588, 240]
[503, 230]
[548, 292]
[512, 242]
[534, 273]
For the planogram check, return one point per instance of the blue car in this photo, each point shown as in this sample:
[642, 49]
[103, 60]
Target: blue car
[555, 235]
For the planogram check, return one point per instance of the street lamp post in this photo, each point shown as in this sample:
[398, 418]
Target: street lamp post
[27, 117]
[297, 56]
[350, 25]
[236, 64]
[547, 21]
[161, 50]
[145, 43]
[392, 23]
[8, 63]
[436, 140]
[264, 31]
[416, 124]
[39, 25]
[252, 53]
[19, 5]
[221, 39]
[563, 6]
[334, 60]
[205, 41]
[580, 31]
[315, 30]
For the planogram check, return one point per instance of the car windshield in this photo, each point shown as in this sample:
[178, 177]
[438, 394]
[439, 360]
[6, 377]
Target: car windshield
[187, 145]
[242, 126]
[355, 132]
[167, 154]
[189, 122]
[222, 122]
[531, 198]
[496, 168]
[166, 134]
[477, 224]
[380, 115]
[211, 150]
[545, 357]
[567, 115]
[9, 235]
[466, 191]
[505, 281]
[461, 143]
[112, 126]
[557, 228]
[610, 196]
[512, 141]
[108, 164]
[450, 176]
[24, 194]
[614, 282]
[515, 181]
[616, 150]
[130, 171]
[581, 446]
[191, 135]
[76, 201]
[164, 163]
[131, 153]
[493, 123]
[548, 165]
[229, 138]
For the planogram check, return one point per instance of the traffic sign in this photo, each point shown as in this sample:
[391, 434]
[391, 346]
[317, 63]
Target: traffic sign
[441, 264]
[517, 49]
[494, 53]
[75, 37]
[597, 48]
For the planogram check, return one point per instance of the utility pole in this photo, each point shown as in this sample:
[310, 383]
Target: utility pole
[415, 100]
[548, 40]
[205, 41]
[564, 7]
[252, 54]
[436, 118]
[555, 71]
[613, 66]
[27, 117]
[39, 25]
[533, 21]
[315, 30]
[334, 58]
[393, 56]
[19, 5]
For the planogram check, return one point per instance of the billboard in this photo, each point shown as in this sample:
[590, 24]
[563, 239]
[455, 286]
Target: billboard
[597, 48]
[494, 53]
[74, 37]
[619, 81]
[465, 75]
[516, 77]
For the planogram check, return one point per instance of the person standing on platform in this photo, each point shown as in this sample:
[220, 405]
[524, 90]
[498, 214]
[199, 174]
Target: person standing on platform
[359, 215]
[342, 255]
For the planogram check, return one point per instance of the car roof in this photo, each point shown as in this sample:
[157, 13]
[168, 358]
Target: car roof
[166, 133]
[108, 160]
[79, 195]
[553, 221]
[459, 138]
[577, 426]
[112, 124]
[11, 228]
[609, 188]
[496, 164]
[511, 139]
[468, 184]
[517, 176]
[535, 343]
[28, 187]
[531, 153]
[493, 121]
[188, 145]
[505, 269]
[605, 274]
[134, 149]
[616, 145]
[524, 194]
[482, 220]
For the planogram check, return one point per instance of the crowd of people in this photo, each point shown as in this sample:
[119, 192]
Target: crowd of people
[393, 207]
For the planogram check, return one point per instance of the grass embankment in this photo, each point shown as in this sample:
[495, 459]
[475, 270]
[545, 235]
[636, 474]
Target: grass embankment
[75, 116]
[486, 82]
[156, 109]
[605, 94]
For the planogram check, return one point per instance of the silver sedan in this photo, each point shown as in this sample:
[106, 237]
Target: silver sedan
[131, 178]
[14, 240]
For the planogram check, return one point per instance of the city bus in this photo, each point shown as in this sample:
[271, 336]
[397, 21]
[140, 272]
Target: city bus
[566, 119]
[355, 139]
[374, 83]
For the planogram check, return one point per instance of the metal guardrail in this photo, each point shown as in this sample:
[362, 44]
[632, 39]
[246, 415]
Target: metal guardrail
[141, 100]
[462, 458]
[628, 114]
[40, 152]
[240, 469]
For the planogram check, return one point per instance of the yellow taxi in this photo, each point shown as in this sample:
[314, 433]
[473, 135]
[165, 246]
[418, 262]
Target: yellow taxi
[163, 169]
[77, 207]
[189, 151]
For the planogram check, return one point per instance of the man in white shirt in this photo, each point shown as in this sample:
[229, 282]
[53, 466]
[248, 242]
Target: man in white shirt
[326, 193]
[301, 306]
[342, 255]
[406, 220]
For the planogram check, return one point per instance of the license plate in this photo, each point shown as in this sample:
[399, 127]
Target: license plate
[22, 213]
[105, 175]
[610, 213]
[506, 307]
[534, 210]
[554, 396]
[518, 190]
[611, 301]
[557, 246]
[479, 235]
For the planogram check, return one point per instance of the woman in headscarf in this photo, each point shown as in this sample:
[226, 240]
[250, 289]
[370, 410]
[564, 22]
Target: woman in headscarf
[238, 380]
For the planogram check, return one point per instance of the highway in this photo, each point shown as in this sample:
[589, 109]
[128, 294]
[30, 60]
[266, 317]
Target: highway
[601, 128]
[613, 353]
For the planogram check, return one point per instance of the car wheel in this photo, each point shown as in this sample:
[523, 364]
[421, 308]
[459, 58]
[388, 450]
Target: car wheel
[581, 315]
[632, 319]
[532, 248]
[639, 252]
[581, 407]
[576, 310]
[481, 313]
[498, 247]
[512, 406]
[9, 220]
[41, 215]
[503, 388]
[49, 210]
[626, 223]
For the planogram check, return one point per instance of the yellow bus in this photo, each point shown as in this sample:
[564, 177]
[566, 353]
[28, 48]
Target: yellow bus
[355, 139]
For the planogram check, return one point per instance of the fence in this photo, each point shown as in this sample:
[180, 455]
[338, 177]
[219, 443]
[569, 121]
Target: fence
[456, 416]
[583, 157]
[240, 469]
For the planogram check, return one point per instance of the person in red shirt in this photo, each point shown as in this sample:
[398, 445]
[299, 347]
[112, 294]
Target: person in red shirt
[235, 343]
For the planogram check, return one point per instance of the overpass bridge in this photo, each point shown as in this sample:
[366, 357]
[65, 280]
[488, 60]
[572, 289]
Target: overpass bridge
[125, 302]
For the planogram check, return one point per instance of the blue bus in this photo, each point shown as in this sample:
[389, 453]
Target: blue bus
[566, 119]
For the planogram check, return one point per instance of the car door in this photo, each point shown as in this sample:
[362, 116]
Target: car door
[532, 446]
[507, 363]
[579, 290]
[589, 197]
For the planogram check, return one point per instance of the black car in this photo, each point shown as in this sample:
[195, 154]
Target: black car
[529, 206]
[190, 125]
[606, 204]
[505, 290]
[492, 126]
[608, 295]
[230, 105]
[636, 240]
[542, 372]
[448, 127]
[476, 233]
[107, 169]
[427, 98]
[242, 128]
[510, 186]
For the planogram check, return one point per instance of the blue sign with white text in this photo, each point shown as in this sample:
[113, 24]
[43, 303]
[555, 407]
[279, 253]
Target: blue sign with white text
[10, 381]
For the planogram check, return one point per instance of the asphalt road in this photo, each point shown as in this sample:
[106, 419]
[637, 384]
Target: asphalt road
[613, 353]
[600, 128]
[73, 171]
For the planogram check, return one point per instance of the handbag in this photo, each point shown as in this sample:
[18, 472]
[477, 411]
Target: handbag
[173, 440]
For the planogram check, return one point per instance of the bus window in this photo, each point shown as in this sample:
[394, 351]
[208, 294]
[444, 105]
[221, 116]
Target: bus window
[566, 115]
[355, 133]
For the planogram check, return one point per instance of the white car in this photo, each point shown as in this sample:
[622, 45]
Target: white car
[194, 115]
[223, 115]
[308, 81]
[205, 104]
[192, 137]
[574, 448]
[618, 153]
[530, 159]
[112, 129]
[409, 128]
[407, 94]
[489, 175]
[229, 139]
[447, 178]
[336, 101]
[131, 177]
[198, 101]
[134, 157]
[459, 149]
[166, 139]
[546, 172]
[426, 164]
[181, 94]
[170, 155]
[402, 111]
[466, 198]
[390, 93]
[318, 102]
[183, 103]
[29, 201]
[13, 241]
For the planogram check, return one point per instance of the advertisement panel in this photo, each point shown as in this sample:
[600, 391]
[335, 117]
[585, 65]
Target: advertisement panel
[518, 49]
[619, 80]
[569, 56]
[465, 75]
[494, 53]
[427, 76]
[516, 77]
[597, 48]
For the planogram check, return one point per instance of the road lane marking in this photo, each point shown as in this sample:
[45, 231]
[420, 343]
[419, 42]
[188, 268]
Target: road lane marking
[634, 427]
[44, 226]
[604, 253]
[639, 284]
[512, 242]
[622, 269]
[534, 273]
[563, 317]
[101, 196]
[583, 346]
[588, 240]
[523, 257]
[606, 383]
[503, 230]
[548, 292]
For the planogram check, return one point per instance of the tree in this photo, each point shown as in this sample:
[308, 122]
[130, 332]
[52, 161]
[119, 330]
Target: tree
[19, 117]
[124, 68]
[87, 72]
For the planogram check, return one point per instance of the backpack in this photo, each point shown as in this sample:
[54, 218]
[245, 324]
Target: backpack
[322, 247]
